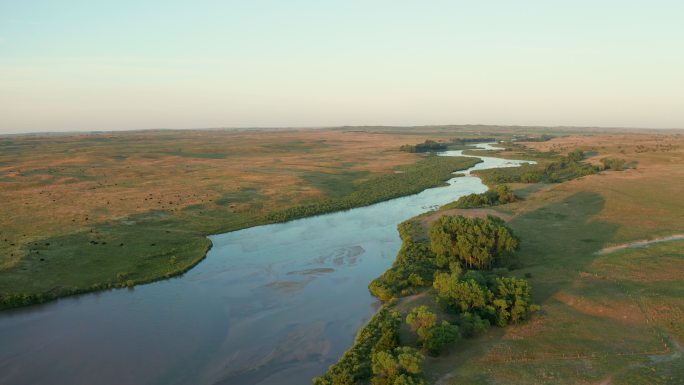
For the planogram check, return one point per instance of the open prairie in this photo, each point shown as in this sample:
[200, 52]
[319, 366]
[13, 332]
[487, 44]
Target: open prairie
[90, 211]
[611, 317]
[100, 210]
[73, 203]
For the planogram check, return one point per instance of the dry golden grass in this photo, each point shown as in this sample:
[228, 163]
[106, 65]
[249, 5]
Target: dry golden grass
[60, 184]
[645, 201]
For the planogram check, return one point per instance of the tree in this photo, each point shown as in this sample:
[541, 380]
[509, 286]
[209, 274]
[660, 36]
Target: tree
[410, 360]
[388, 341]
[343, 378]
[472, 325]
[464, 295]
[504, 194]
[421, 319]
[384, 364]
[439, 336]
[403, 366]
[404, 379]
[512, 300]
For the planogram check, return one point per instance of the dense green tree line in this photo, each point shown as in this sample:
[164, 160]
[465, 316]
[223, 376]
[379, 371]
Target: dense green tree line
[381, 334]
[564, 169]
[429, 172]
[473, 243]
[498, 195]
[471, 140]
[475, 299]
[413, 268]
[468, 242]
[427, 146]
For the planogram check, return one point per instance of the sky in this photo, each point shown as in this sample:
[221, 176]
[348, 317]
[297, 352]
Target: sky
[69, 65]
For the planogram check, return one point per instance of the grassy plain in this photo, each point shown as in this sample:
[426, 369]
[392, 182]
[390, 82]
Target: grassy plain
[613, 318]
[89, 211]
[83, 210]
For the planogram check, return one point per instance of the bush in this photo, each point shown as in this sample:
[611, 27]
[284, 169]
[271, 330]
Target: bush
[613, 164]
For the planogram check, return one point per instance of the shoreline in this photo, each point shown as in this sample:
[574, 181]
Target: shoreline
[31, 300]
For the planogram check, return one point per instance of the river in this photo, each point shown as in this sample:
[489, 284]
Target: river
[274, 304]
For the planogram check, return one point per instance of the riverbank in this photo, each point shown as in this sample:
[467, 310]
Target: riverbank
[417, 264]
[242, 304]
[147, 248]
[606, 317]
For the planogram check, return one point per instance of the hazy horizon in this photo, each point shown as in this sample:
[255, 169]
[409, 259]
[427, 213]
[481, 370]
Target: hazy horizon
[104, 66]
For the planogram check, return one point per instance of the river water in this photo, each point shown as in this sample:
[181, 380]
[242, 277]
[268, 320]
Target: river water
[274, 304]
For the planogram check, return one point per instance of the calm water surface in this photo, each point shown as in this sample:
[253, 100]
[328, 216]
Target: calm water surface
[273, 304]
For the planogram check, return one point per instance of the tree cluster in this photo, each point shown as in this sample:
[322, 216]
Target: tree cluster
[432, 336]
[413, 268]
[427, 146]
[475, 299]
[381, 334]
[561, 170]
[468, 242]
[473, 243]
[401, 366]
[499, 195]
[488, 297]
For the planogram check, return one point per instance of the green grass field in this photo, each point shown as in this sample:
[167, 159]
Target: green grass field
[615, 318]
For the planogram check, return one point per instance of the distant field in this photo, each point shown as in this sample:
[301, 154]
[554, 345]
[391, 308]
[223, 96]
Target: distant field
[84, 212]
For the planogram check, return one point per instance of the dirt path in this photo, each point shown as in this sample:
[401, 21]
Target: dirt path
[635, 244]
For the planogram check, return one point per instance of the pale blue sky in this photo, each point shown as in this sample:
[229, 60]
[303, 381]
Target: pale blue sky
[109, 65]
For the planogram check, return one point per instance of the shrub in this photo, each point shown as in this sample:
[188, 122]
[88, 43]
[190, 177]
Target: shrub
[613, 164]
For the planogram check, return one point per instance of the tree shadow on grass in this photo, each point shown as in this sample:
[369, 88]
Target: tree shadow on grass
[559, 240]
